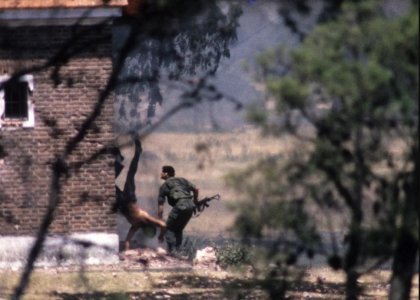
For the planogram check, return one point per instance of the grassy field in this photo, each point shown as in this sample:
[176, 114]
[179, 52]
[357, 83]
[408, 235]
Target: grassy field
[320, 283]
[204, 159]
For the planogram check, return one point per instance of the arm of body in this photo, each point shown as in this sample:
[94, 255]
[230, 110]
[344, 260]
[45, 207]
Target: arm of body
[160, 211]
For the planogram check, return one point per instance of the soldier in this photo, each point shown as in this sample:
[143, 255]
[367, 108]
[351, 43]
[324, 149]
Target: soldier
[182, 196]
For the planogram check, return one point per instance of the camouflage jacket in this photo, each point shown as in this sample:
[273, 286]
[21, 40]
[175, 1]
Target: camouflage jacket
[176, 189]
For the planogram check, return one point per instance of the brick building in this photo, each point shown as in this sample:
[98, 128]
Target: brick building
[43, 109]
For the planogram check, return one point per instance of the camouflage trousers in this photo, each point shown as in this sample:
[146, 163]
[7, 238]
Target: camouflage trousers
[178, 218]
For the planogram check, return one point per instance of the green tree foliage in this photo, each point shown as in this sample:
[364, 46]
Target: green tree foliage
[169, 41]
[348, 95]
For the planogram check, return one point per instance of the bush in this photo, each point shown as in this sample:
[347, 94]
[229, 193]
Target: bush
[232, 255]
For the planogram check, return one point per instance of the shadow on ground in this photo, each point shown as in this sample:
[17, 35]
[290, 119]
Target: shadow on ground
[180, 287]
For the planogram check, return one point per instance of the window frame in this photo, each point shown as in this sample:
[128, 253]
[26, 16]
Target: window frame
[25, 122]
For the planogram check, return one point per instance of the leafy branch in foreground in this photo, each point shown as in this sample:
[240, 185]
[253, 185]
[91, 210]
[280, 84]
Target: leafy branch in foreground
[348, 95]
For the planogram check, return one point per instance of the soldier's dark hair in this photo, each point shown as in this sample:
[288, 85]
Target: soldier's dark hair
[169, 170]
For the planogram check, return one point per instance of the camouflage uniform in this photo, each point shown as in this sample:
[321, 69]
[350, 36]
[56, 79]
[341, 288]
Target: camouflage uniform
[178, 192]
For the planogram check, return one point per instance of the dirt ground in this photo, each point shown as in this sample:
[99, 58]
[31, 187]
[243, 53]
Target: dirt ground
[149, 274]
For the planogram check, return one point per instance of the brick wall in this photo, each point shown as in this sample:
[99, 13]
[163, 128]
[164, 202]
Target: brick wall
[60, 108]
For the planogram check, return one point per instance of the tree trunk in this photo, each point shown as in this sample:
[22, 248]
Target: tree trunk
[355, 236]
[407, 247]
[403, 267]
[352, 287]
[351, 262]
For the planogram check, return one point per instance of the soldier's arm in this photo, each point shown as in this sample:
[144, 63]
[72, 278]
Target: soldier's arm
[160, 211]
[194, 190]
[161, 200]
[160, 217]
[195, 194]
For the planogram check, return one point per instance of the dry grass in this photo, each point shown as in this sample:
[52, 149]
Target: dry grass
[204, 159]
[324, 283]
[318, 283]
[119, 284]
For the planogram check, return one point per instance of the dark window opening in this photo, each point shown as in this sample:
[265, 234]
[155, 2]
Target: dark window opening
[16, 98]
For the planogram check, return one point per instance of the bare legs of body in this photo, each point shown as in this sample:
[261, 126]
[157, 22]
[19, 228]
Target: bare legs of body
[139, 218]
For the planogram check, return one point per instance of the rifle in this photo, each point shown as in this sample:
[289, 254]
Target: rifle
[200, 205]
